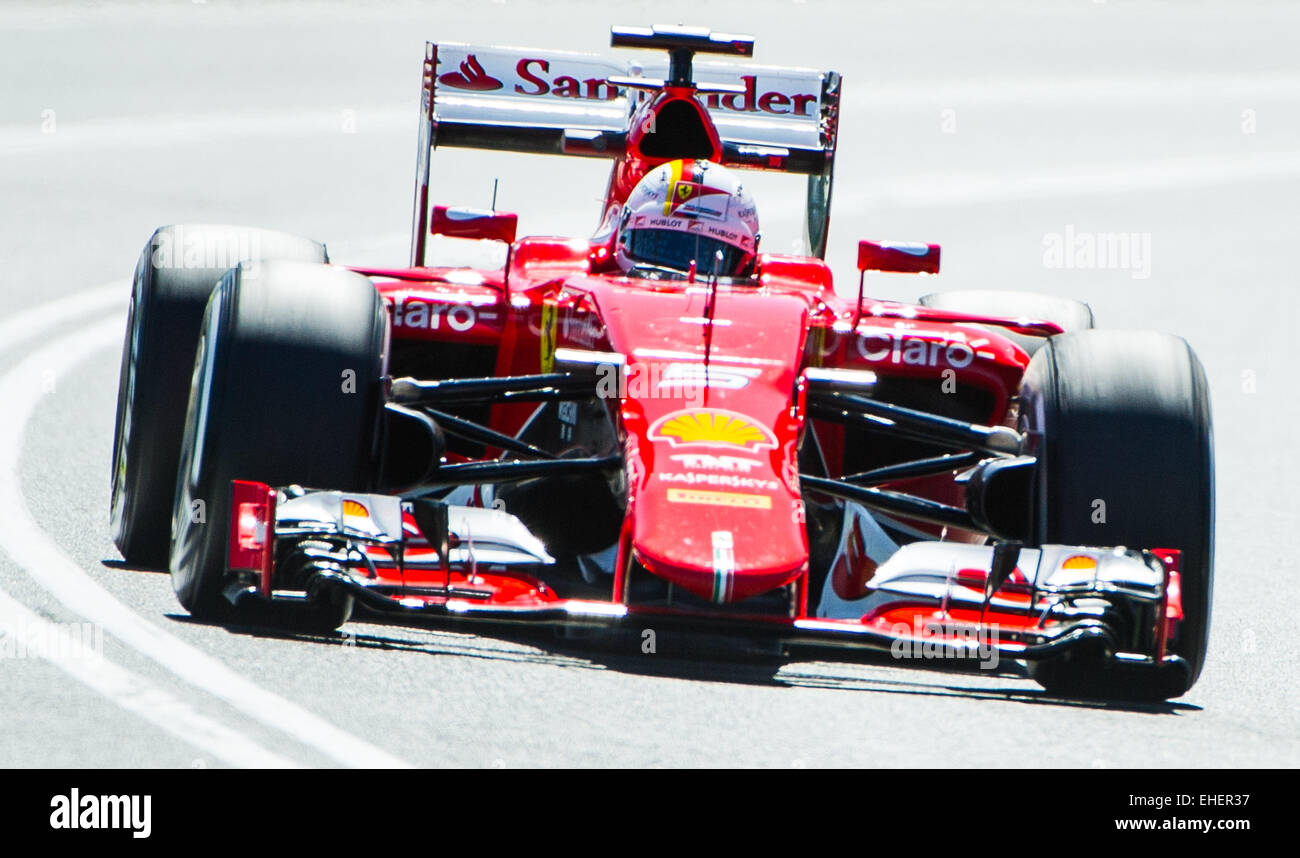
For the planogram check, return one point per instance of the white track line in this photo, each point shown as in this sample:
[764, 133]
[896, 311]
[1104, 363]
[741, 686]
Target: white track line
[21, 389]
[974, 188]
[132, 692]
[30, 324]
[166, 131]
[875, 193]
[1066, 93]
[1069, 93]
[1207, 91]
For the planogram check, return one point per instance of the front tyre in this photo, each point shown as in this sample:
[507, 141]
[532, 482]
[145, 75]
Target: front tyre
[177, 271]
[1126, 457]
[286, 390]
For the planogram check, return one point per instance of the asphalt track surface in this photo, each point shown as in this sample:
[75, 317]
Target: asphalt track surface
[988, 130]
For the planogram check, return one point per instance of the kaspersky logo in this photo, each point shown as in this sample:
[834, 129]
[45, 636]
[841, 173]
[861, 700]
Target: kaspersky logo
[712, 427]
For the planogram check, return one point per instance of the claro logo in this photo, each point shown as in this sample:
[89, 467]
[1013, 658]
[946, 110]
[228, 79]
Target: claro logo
[411, 313]
[898, 348]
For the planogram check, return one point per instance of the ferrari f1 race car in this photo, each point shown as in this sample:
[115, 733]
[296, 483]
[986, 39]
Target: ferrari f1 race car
[662, 426]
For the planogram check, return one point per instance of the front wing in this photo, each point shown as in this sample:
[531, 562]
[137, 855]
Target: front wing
[419, 558]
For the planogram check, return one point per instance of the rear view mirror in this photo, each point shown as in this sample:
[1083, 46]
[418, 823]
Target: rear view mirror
[903, 257]
[483, 224]
[900, 257]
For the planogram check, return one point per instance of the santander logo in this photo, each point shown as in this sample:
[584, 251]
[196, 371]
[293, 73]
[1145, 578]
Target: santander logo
[537, 76]
[470, 76]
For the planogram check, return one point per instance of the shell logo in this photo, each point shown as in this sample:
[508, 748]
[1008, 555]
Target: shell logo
[353, 509]
[712, 427]
[1079, 561]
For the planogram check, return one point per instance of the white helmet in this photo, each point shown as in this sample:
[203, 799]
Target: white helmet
[686, 211]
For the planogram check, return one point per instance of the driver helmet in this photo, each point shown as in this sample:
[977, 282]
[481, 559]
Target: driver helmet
[689, 210]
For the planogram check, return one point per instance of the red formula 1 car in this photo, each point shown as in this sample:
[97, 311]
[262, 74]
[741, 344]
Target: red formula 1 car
[662, 427]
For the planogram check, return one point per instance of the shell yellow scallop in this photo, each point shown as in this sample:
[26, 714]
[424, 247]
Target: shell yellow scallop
[712, 427]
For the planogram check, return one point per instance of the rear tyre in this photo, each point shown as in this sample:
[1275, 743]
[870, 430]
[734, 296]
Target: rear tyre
[176, 273]
[1071, 315]
[1126, 458]
[287, 390]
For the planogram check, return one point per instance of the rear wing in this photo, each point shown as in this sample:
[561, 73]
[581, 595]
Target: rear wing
[561, 103]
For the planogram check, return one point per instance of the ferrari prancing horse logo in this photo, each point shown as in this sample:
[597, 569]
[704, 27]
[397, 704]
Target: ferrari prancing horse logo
[683, 192]
[548, 337]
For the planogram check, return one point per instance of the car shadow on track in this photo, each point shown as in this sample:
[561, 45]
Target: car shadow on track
[697, 659]
[123, 566]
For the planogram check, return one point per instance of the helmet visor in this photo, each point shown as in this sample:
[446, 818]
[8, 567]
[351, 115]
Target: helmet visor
[673, 249]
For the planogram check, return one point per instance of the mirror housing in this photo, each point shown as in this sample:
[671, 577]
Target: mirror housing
[483, 224]
[903, 257]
